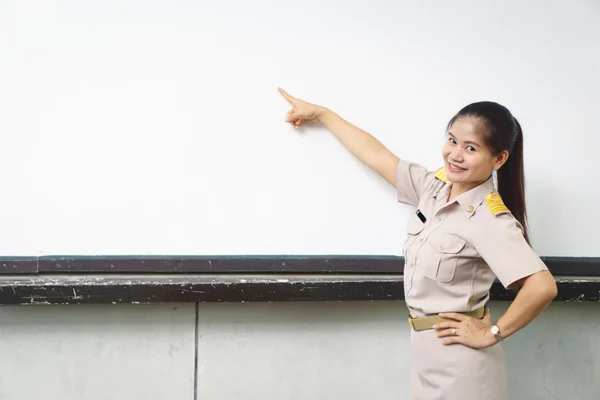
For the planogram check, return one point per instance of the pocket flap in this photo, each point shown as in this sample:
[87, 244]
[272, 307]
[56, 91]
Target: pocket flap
[414, 226]
[447, 243]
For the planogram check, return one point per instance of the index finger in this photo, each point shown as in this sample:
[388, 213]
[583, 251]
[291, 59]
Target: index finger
[445, 325]
[286, 96]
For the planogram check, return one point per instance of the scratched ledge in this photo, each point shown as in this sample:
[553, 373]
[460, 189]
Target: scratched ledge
[82, 289]
[240, 264]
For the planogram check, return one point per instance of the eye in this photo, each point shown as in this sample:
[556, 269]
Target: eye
[451, 140]
[470, 148]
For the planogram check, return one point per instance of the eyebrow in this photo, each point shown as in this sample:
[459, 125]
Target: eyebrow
[467, 142]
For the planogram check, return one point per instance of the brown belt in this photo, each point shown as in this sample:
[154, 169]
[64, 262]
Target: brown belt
[427, 322]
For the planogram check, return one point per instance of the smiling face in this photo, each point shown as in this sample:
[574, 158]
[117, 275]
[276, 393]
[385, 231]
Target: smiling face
[468, 160]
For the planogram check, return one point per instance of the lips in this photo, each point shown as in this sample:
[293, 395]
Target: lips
[455, 168]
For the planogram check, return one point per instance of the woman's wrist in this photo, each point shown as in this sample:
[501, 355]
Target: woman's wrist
[323, 114]
[490, 339]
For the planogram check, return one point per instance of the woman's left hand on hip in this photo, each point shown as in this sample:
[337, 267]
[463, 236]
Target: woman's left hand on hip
[465, 330]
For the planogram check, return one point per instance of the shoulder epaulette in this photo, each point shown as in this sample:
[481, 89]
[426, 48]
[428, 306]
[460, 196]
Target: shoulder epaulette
[496, 205]
[441, 175]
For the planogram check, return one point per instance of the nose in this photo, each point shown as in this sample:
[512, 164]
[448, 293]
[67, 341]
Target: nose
[456, 154]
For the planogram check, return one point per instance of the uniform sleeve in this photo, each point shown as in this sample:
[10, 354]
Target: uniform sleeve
[504, 248]
[411, 181]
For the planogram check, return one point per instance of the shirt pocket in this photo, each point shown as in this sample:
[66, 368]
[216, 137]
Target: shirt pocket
[413, 228]
[446, 251]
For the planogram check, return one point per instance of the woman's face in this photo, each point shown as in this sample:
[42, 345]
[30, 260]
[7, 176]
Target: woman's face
[468, 161]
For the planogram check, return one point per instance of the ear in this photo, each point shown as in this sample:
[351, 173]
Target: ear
[500, 160]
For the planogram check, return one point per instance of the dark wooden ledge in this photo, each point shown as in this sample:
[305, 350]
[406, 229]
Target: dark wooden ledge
[239, 264]
[191, 288]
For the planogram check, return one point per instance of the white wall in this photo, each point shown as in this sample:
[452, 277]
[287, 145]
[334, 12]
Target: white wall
[294, 351]
[155, 127]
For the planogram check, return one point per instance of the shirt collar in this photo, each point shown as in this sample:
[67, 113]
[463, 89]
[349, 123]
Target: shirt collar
[469, 201]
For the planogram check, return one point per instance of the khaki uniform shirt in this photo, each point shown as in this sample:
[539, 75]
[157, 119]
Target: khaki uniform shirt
[452, 259]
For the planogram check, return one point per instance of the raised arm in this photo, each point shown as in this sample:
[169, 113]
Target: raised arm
[359, 143]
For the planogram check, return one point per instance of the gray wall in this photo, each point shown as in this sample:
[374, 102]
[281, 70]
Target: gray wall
[287, 351]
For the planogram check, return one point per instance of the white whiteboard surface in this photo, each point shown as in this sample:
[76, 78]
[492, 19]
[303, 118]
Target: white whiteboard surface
[155, 127]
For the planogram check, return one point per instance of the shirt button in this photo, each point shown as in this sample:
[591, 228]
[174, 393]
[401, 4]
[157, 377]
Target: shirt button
[421, 240]
[439, 219]
[441, 247]
[412, 265]
[470, 208]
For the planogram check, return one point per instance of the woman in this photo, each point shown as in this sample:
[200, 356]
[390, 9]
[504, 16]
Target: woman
[465, 234]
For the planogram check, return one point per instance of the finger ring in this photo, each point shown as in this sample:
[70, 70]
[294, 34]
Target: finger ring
[454, 332]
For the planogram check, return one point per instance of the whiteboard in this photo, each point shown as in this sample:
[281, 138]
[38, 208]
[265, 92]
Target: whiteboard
[156, 127]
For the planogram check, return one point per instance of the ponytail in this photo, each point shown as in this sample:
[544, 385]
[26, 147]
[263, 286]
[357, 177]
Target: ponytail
[511, 181]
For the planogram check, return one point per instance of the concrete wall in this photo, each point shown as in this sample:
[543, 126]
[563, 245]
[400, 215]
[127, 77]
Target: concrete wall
[291, 351]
